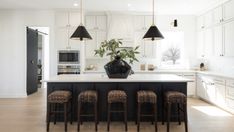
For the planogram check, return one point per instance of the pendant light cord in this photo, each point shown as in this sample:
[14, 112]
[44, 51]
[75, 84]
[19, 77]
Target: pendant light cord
[153, 12]
[81, 12]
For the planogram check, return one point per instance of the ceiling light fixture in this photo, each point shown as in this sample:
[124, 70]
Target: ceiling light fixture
[129, 5]
[81, 33]
[153, 33]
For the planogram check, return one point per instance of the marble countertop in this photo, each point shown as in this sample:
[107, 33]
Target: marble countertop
[146, 71]
[104, 78]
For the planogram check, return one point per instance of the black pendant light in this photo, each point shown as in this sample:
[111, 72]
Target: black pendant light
[153, 33]
[81, 33]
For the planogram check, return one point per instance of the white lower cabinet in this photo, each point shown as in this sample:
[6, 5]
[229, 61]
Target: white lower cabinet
[216, 90]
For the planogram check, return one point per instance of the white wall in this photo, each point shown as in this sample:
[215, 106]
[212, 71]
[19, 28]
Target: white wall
[13, 47]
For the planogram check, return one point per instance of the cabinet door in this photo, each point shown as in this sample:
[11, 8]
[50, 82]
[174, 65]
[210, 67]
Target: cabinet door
[61, 36]
[139, 23]
[208, 19]
[201, 90]
[61, 19]
[229, 39]
[75, 44]
[218, 40]
[139, 42]
[208, 42]
[148, 22]
[218, 15]
[211, 92]
[220, 94]
[200, 22]
[101, 22]
[91, 45]
[101, 37]
[190, 85]
[200, 46]
[90, 22]
[229, 10]
[150, 48]
[74, 19]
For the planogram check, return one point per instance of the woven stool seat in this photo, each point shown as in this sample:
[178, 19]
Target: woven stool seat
[117, 96]
[146, 97]
[175, 97]
[60, 96]
[88, 96]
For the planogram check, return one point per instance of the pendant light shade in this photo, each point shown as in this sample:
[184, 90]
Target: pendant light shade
[81, 33]
[153, 33]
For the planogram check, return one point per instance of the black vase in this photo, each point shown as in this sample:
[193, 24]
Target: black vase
[117, 68]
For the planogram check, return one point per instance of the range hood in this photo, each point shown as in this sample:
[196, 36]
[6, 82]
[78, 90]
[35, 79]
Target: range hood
[120, 26]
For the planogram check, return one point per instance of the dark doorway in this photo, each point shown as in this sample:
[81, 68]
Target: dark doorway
[32, 57]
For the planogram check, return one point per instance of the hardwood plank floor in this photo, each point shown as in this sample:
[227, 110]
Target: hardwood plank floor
[29, 115]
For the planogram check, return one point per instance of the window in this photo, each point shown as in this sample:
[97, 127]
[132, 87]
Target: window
[170, 50]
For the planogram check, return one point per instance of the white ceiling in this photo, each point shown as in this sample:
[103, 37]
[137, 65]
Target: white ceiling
[162, 6]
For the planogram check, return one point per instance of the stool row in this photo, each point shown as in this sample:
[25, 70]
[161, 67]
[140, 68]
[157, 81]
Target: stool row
[116, 96]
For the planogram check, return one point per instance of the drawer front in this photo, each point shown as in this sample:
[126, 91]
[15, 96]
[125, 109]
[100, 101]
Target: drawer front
[230, 83]
[219, 81]
[230, 92]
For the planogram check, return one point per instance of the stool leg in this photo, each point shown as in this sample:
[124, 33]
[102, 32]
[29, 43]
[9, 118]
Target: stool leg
[185, 117]
[95, 113]
[125, 116]
[108, 117]
[48, 116]
[65, 116]
[168, 115]
[78, 116]
[163, 112]
[138, 116]
[178, 109]
[71, 110]
[55, 115]
[155, 117]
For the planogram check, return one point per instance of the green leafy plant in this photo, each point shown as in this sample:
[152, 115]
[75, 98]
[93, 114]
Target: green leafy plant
[112, 48]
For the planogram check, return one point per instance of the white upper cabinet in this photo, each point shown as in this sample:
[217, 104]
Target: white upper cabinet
[90, 22]
[74, 19]
[200, 22]
[208, 42]
[218, 15]
[101, 22]
[93, 22]
[200, 45]
[229, 39]
[139, 23]
[61, 19]
[66, 19]
[142, 22]
[91, 45]
[228, 10]
[218, 40]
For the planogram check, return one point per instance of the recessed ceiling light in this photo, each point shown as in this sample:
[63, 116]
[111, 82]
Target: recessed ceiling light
[129, 5]
[75, 4]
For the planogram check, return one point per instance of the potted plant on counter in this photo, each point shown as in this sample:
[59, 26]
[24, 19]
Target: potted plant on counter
[117, 67]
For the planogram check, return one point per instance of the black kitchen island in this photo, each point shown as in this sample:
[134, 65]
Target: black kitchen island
[102, 84]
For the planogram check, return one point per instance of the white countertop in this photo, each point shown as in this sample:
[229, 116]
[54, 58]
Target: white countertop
[131, 78]
[146, 71]
[212, 73]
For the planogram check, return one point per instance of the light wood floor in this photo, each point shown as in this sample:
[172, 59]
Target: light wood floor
[28, 115]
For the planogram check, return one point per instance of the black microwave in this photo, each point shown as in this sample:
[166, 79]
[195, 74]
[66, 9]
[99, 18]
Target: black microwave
[68, 57]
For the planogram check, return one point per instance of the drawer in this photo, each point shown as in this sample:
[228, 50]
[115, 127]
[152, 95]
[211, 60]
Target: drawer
[219, 81]
[230, 92]
[230, 83]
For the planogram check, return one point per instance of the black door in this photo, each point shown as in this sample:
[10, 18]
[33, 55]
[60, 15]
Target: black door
[32, 54]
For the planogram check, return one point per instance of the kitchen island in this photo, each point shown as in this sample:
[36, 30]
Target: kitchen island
[102, 84]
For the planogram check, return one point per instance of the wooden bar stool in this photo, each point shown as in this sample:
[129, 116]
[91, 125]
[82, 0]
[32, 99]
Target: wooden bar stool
[180, 99]
[146, 97]
[117, 96]
[89, 96]
[55, 98]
